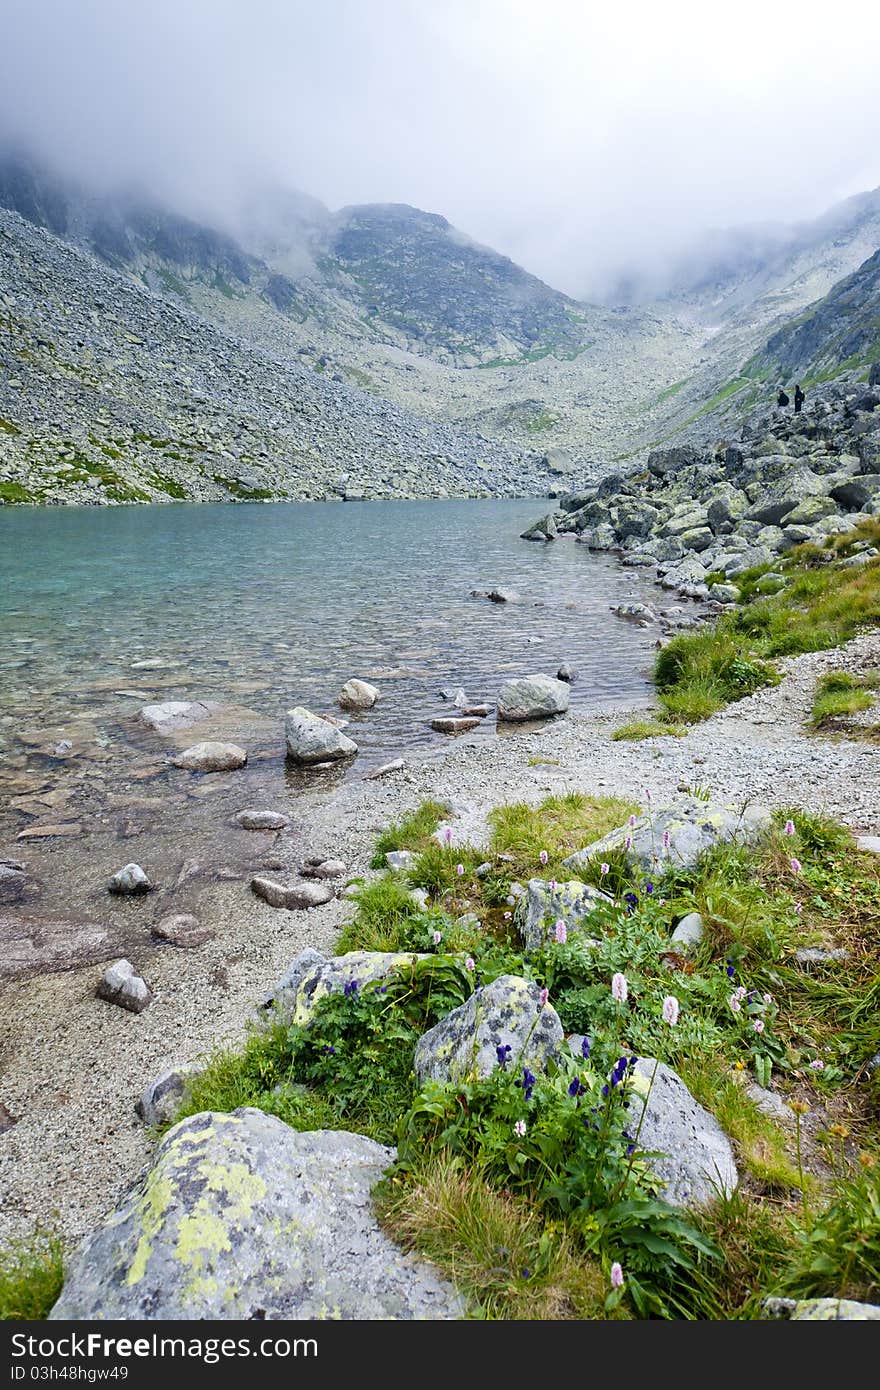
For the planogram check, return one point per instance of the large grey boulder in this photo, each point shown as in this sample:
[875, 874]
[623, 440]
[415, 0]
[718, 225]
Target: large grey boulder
[782, 497]
[211, 757]
[465, 1043]
[241, 1217]
[311, 977]
[543, 530]
[311, 739]
[677, 836]
[532, 697]
[695, 1157]
[261, 820]
[172, 715]
[543, 904]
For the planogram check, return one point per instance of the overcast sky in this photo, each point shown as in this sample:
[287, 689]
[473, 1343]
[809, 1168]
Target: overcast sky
[578, 136]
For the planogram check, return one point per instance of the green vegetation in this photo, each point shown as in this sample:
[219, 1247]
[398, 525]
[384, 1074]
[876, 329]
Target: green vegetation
[31, 1275]
[413, 831]
[164, 484]
[500, 1180]
[8, 428]
[15, 492]
[541, 420]
[838, 694]
[244, 494]
[822, 605]
[638, 729]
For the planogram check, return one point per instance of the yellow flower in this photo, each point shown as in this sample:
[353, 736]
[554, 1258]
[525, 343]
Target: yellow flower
[799, 1107]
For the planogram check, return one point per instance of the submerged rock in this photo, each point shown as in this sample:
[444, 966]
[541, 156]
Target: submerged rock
[130, 881]
[466, 1043]
[121, 984]
[211, 757]
[182, 929]
[241, 1217]
[311, 739]
[13, 881]
[296, 898]
[261, 820]
[532, 697]
[171, 715]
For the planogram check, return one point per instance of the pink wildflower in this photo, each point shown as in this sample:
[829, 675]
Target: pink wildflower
[437, 938]
[758, 1025]
[604, 868]
[735, 1005]
[560, 931]
[459, 869]
[543, 856]
[519, 1128]
[619, 988]
[817, 1064]
[616, 1276]
[447, 834]
[544, 997]
[795, 865]
[788, 828]
[670, 1010]
[470, 963]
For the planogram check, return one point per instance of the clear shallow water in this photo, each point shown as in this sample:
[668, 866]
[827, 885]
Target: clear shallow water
[268, 607]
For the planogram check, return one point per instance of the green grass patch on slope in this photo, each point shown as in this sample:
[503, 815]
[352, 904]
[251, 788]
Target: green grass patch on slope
[31, 1275]
[526, 1189]
[822, 605]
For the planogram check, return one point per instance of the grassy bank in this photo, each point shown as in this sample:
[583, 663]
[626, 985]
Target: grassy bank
[528, 1190]
[822, 602]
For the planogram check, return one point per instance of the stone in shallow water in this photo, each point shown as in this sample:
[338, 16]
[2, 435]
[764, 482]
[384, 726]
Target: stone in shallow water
[508, 1012]
[241, 1217]
[296, 898]
[532, 697]
[120, 984]
[455, 726]
[327, 868]
[211, 757]
[175, 714]
[183, 929]
[261, 820]
[358, 694]
[130, 881]
[13, 881]
[311, 739]
[160, 1101]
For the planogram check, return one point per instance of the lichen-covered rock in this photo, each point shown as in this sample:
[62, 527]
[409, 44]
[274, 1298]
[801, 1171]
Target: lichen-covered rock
[695, 1155]
[676, 836]
[311, 977]
[542, 905]
[211, 757]
[532, 697]
[241, 1217]
[821, 1310]
[311, 739]
[508, 1012]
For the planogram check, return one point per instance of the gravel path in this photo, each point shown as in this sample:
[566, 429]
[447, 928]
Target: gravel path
[73, 1065]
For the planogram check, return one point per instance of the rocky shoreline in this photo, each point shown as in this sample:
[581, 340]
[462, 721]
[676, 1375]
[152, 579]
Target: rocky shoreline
[76, 1065]
[702, 515]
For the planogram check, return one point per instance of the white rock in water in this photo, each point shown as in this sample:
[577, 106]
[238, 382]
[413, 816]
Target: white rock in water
[130, 880]
[358, 694]
[311, 739]
[211, 757]
[175, 714]
[296, 898]
[532, 697]
[120, 984]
